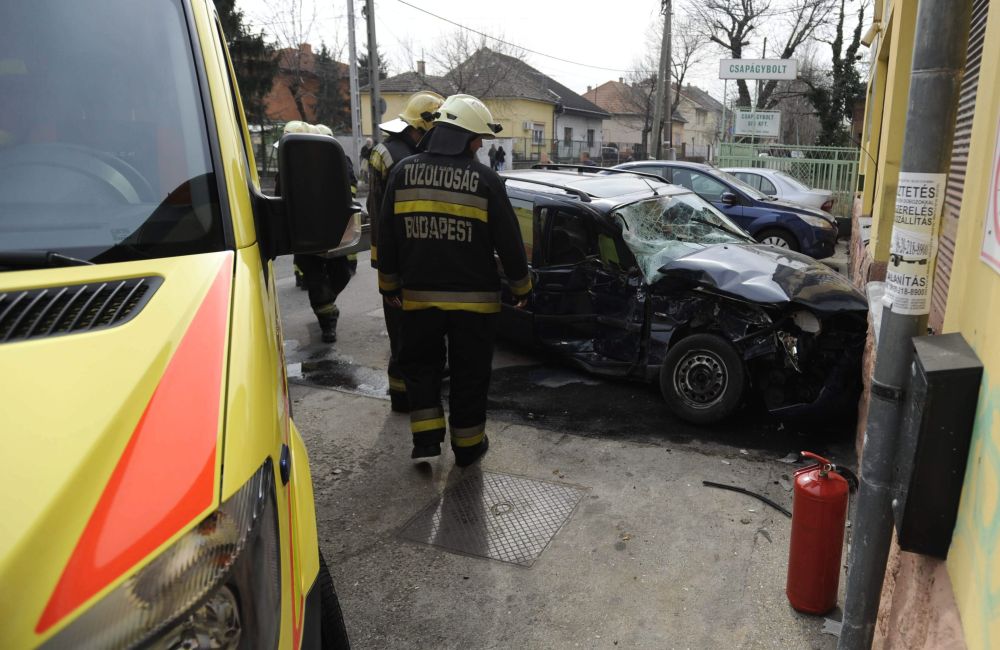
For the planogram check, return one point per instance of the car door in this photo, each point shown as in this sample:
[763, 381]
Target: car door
[582, 302]
[712, 190]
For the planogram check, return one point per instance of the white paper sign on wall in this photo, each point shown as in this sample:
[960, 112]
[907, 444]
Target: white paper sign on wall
[919, 199]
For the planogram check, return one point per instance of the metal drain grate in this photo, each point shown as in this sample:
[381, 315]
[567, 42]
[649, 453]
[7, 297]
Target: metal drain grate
[496, 516]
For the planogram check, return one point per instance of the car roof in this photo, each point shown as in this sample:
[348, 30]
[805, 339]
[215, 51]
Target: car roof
[671, 163]
[590, 185]
[752, 170]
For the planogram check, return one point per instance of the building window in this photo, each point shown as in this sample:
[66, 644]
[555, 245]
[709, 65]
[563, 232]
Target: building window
[567, 135]
[537, 133]
[590, 137]
[701, 116]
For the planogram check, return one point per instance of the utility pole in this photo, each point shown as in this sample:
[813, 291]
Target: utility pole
[664, 74]
[940, 44]
[355, 96]
[668, 13]
[373, 67]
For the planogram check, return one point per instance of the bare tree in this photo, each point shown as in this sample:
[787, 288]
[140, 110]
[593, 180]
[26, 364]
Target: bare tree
[292, 25]
[469, 62]
[689, 50]
[733, 25]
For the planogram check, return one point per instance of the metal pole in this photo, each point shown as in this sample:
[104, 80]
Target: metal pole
[669, 108]
[940, 43]
[658, 102]
[355, 96]
[373, 66]
[725, 95]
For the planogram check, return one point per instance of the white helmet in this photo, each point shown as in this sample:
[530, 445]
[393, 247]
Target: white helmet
[469, 114]
[323, 129]
[295, 126]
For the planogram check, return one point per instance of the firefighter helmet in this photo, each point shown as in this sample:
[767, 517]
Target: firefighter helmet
[295, 126]
[418, 113]
[469, 114]
[323, 129]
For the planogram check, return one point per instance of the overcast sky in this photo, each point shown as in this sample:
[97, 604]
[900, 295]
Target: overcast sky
[599, 41]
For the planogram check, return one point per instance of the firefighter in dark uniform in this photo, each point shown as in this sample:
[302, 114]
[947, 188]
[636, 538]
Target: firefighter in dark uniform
[443, 216]
[402, 136]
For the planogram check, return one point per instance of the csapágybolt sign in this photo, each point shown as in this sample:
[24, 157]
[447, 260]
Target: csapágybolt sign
[758, 69]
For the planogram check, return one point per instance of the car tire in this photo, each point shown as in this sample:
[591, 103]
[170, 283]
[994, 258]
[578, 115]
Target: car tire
[333, 632]
[702, 379]
[779, 238]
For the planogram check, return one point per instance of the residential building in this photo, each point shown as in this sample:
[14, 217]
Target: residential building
[929, 602]
[308, 88]
[538, 114]
[695, 124]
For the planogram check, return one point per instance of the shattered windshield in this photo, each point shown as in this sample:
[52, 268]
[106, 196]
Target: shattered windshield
[662, 229]
[104, 152]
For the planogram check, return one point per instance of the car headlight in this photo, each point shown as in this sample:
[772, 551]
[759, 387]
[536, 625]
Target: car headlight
[816, 222]
[218, 586]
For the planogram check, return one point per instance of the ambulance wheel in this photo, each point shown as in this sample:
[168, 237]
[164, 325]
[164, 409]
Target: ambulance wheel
[702, 378]
[332, 629]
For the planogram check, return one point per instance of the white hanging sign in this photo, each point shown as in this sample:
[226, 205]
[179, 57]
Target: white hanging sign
[919, 200]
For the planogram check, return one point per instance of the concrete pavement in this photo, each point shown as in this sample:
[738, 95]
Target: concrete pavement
[649, 557]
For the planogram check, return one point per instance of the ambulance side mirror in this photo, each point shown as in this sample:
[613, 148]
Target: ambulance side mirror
[315, 203]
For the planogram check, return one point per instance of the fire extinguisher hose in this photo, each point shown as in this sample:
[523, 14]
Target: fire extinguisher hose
[734, 488]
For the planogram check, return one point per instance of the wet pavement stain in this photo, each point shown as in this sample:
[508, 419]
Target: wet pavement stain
[564, 399]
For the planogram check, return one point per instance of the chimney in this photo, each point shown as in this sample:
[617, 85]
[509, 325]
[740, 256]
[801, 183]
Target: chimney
[588, 89]
[420, 68]
[621, 80]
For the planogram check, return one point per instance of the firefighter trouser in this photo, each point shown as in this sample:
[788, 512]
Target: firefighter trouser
[394, 328]
[325, 279]
[470, 338]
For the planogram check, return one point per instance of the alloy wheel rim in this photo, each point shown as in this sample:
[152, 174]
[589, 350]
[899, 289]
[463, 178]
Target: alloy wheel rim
[701, 379]
[779, 242]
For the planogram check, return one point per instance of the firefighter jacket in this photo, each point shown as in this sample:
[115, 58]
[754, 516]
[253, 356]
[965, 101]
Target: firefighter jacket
[442, 219]
[383, 158]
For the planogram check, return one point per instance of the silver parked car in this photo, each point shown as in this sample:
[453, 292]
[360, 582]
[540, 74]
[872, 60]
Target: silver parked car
[775, 182]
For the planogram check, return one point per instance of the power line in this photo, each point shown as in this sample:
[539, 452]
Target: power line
[500, 40]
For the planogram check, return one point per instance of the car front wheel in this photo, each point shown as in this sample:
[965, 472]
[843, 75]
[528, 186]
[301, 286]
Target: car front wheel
[778, 238]
[702, 378]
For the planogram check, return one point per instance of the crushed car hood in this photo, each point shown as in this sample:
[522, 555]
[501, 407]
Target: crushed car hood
[768, 275]
[112, 434]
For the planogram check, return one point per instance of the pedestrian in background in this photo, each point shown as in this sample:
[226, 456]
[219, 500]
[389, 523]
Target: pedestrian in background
[501, 158]
[401, 141]
[585, 159]
[444, 218]
[492, 153]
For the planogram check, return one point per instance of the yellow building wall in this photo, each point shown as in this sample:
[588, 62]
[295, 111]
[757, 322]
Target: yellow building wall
[868, 165]
[511, 113]
[899, 36]
[974, 310]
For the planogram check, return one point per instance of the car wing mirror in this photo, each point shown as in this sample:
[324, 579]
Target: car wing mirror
[728, 198]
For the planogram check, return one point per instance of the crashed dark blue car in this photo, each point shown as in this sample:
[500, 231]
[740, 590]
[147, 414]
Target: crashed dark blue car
[639, 279]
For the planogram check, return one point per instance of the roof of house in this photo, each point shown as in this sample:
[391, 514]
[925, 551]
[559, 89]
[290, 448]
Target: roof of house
[619, 98]
[488, 74]
[702, 98]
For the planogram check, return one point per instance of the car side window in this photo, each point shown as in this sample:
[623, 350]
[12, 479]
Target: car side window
[707, 187]
[524, 211]
[767, 187]
[570, 238]
[753, 180]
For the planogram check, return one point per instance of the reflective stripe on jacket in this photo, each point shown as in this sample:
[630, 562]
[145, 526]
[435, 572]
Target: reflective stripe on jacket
[383, 158]
[443, 218]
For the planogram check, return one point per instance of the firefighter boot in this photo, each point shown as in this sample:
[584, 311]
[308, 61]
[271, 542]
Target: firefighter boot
[328, 325]
[465, 456]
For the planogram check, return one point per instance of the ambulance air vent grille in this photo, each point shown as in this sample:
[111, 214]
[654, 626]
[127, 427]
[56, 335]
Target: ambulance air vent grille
[55, 311]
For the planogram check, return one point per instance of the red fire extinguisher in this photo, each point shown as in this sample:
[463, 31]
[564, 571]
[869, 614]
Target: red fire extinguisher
[819, 512]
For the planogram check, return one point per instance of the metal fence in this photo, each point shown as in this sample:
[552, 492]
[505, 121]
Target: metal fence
[828, 168]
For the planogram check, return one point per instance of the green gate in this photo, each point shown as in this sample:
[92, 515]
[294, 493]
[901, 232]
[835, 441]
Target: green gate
[827, 168]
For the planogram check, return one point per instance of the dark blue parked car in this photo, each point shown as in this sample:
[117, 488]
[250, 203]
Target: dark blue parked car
[768, 220]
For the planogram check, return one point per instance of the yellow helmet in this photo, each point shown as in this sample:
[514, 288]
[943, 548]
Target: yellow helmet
[469, 114]
[418, 113]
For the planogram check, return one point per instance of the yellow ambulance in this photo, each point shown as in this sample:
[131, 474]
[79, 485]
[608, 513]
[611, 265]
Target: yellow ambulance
[155, 492]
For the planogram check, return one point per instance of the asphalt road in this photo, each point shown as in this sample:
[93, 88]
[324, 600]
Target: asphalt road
[529, 387]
